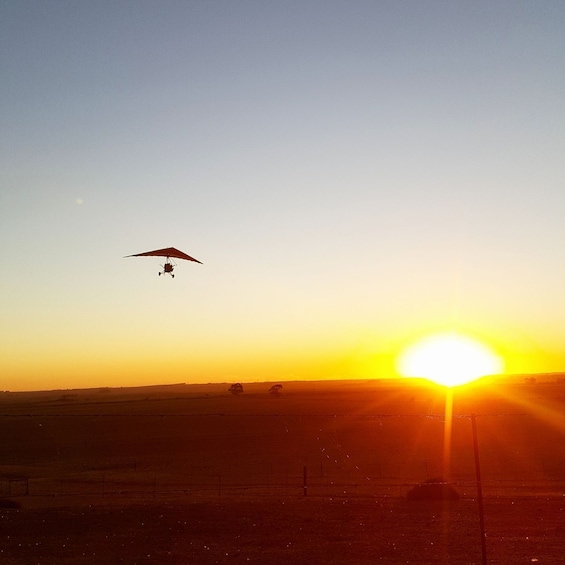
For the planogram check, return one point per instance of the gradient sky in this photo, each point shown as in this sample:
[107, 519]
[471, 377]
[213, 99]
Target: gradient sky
[353, 175]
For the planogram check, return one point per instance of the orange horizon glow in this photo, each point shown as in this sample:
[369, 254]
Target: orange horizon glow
[106, 360]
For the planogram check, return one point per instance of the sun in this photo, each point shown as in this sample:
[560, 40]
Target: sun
[449, 359]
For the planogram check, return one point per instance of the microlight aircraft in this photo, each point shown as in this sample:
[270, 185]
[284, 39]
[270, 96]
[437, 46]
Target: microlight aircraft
[168, 253]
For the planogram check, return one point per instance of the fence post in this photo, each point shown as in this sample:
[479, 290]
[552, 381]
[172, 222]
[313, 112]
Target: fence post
[305, 482]
[479, 490]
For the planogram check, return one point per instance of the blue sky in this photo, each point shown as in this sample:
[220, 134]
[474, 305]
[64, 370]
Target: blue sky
[351, 175]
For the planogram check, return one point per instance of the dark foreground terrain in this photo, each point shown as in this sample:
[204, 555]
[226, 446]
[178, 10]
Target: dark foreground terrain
[292, 530]
[319, 474]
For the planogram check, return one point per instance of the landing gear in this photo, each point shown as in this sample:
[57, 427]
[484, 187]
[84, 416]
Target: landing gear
[168, 268]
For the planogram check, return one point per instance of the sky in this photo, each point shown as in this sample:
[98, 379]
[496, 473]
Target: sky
[353, 175]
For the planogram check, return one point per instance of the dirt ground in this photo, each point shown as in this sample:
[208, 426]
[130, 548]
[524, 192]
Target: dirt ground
[293, 530]
[194, 475]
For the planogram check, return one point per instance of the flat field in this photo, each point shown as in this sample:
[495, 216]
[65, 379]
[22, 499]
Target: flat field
[190, 474]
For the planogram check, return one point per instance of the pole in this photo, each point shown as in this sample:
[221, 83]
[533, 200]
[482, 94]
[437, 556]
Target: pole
[305, 482]
[479, 490]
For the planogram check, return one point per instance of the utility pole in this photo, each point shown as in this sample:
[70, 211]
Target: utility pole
[479, 490]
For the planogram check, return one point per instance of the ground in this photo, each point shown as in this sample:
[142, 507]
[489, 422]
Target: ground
[193, 475]
[293, 530]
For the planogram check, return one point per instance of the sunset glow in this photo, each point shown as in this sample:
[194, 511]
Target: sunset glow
[350, 174]
[449, 359]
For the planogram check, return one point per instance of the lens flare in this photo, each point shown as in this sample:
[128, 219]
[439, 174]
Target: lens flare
[449, 359]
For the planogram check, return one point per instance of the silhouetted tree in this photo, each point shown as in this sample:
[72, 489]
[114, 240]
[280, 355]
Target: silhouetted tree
[275, 390]
[236, 388]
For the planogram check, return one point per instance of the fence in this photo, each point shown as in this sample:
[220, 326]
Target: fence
[298, 482]
[326, 455]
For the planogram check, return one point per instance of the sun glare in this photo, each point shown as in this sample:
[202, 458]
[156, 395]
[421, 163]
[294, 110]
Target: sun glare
[449, 359]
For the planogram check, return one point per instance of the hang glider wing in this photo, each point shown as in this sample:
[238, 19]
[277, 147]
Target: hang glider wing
[167, 252]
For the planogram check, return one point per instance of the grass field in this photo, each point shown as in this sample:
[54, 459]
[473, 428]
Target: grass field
[193, 474]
